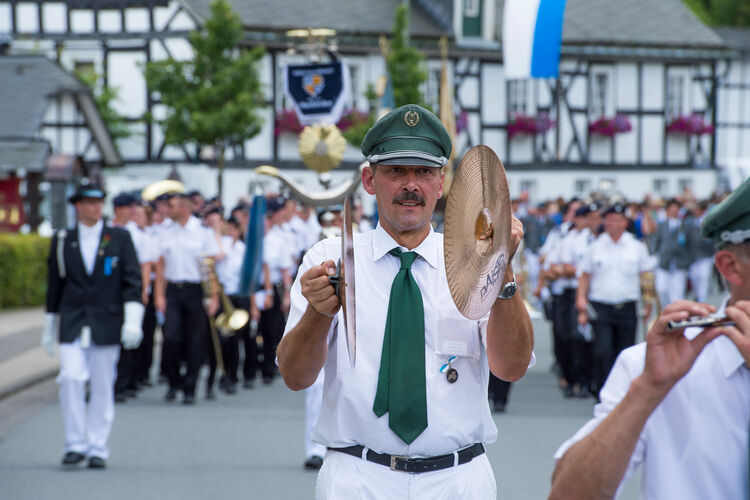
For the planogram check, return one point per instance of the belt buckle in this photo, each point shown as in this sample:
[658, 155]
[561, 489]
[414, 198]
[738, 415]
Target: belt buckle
[394, 461]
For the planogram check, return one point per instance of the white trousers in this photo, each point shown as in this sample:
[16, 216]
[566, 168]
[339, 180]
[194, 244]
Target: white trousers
[344, 477]
[87, 430]
[670, 285]
[313, 402]
[699, 273]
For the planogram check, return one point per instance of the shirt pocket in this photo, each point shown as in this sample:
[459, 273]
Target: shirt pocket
[456, 336]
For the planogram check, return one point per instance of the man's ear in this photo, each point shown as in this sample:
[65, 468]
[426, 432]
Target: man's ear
[728, 265]
[368, 181]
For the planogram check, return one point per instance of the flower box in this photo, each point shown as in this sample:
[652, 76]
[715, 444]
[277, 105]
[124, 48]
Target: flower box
[609, 127]
[522, 124]
[689, 125]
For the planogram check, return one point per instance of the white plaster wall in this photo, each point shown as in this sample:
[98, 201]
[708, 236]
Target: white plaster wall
[53, 17]
[626, 86]
[136, 20]
[26, 17]
[493, 94]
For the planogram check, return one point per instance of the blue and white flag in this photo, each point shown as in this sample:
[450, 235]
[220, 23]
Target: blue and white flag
[532, 35]
[318, 91]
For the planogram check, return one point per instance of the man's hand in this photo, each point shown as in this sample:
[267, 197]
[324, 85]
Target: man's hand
[144, 296]
[582, 318]
[285, 302]
[669, 354]
[516, 235]
[739, 334]
[131, 333]
[160, 302]
[318, 291]
[50, 332]
[212, 306]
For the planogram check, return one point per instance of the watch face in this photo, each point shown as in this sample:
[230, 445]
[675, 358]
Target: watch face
[508, 290]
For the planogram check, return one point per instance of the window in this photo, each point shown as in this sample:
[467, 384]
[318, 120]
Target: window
[598, 104]
[351, 102]
[684, 185]
[472, 18]
[529, 186]
[84, 68]
[660, 186]
[675, 92]
[582, 186]
[517, 97]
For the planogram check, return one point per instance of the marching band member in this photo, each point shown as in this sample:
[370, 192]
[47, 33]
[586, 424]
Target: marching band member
[93, 304]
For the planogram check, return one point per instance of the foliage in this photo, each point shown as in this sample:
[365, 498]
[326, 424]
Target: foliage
[353, 124]
[522, 124]
[215, 98]
[689, 125]
[23, 270]
[609, 127]
[721, 12]
[104, 98]
[405, 63]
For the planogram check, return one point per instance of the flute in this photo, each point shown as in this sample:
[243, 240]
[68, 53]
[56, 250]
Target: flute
[700, 321]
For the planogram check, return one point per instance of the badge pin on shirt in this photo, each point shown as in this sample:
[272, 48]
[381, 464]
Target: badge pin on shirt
[451, 374]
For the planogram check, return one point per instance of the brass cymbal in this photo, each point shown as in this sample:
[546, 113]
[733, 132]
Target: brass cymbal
[477, 232]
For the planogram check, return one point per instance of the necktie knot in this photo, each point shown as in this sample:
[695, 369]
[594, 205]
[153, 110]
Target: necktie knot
[407, 258]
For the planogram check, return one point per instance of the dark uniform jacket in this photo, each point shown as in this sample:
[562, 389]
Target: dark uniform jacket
[94, 300]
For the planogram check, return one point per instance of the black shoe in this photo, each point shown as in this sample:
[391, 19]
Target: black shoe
[210, 394]
[314, 462]
[267, 379]
[120, 397]
[73, 458]
[248, 384]
[170, 395]
[97, 463]
[189, 399]
[131, 393]
[568, 391]
[231, 388]
[498, 407]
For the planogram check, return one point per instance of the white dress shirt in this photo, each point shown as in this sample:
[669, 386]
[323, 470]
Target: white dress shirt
[615, 268]
[458, 414]
[183, 246]
[228, 269]
[88, 240]
[694, 446]
[146, 249]
[550, 250]
[277, 252]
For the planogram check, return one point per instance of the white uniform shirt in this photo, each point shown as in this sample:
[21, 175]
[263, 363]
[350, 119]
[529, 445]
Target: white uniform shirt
[276, 252]
[146, 249]
[615, 268]
[182, 246]
[565, 253]
[580, 249]
[457, 414]
[550, 250]
[694, 446]
[88, 240]
[228, 269]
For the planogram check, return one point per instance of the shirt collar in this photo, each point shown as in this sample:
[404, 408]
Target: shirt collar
[85, 230]
[382, 243]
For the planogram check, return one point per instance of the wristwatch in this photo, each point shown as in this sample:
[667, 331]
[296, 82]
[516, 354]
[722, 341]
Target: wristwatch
[508, 289]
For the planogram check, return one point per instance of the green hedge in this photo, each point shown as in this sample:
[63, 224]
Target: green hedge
[23, 270]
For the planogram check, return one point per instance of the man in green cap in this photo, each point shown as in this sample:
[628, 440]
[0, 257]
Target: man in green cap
[409, 418]
[679, 403]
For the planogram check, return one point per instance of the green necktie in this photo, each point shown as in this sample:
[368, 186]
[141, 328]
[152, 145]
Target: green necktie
[401, 381]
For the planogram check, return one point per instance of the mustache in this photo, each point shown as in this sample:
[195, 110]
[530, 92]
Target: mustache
[409, 196]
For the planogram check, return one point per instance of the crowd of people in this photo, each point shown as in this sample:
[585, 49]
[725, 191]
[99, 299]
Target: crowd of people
[590, 262]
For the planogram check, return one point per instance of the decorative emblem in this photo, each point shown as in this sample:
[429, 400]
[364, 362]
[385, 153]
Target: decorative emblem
[411, 118]
[313, 84]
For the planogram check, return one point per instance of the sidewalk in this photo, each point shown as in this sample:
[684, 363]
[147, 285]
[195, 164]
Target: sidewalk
[22, 360]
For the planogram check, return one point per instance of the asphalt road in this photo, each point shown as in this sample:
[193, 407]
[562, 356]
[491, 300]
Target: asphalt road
[250, 445]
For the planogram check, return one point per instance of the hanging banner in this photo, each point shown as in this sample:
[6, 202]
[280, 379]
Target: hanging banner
[11, 205]
[318, 91]
[532, 37]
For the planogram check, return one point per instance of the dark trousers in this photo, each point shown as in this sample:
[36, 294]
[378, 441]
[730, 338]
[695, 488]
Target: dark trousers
[250, 346]
[614, 330]
[125, 371]
[567, 341]
[499, 390]
[186, 325]
[230, 345]
[271, 327]
[144, 355]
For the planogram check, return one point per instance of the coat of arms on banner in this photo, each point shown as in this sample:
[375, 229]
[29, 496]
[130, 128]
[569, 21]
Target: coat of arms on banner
[313, 84]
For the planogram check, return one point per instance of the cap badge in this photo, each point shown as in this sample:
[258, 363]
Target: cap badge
[411, 118]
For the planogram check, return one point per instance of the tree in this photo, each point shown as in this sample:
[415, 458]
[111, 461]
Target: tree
[405, 63]
[215, 98]
[721, 12]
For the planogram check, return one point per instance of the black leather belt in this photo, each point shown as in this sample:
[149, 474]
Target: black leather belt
[183, 284]
[415, 465]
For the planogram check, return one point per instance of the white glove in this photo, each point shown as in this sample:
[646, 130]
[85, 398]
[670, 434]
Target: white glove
[50, 332]
[132, 331]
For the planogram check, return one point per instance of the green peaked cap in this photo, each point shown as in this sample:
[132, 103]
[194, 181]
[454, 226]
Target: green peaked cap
[409, 135]
[729, 221]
